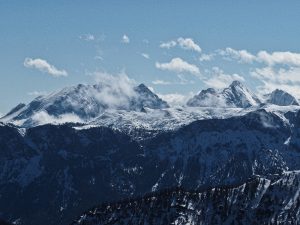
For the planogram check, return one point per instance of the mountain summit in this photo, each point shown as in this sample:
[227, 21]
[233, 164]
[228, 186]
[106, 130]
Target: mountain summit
[123, 103]
[87, 101]
[282, 98]
[236, 95]
[146, 98]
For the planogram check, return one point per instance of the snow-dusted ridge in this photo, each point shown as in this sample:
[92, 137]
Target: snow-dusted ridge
[252, 202]
[236, 95]
[280, 97]
[82, 167]
[153, 119]
[83, 103]
[140, 108]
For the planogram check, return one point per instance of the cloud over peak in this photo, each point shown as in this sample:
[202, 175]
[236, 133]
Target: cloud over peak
[176, 99]
[116, 89]
[45, 67]
[218, 79]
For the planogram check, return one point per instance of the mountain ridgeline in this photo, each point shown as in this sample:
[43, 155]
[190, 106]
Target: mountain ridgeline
[238, 95]
[257, 201]
[136, 160]
[84, 103]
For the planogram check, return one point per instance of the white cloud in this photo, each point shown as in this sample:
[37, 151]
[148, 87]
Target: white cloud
[145, 55]
[273, 69]
[43, 66]
[161, 82]
[169, 44]
[240, 55]
[37, 93]
[116, 90]
[43, 117]
[179, 66]
[278, 69]
[206, 57]
[218, 79]
[270, 59]
[125, 39]
[285, 58]
[87, 37]
[281, 75]
[176, 99]
[184, 43]
[281, 78]
[188, 44]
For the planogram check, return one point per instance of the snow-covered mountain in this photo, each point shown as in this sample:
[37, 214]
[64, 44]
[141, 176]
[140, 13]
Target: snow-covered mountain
[15, 109]
[81, 168]
[259, 200]
[280, 97]
[236, 95]
[146, 98]
[83, 102]
[139, 107]
[129, 142]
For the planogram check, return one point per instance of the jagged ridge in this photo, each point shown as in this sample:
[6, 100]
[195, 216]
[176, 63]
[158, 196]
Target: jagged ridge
[85, 102]
[236, 95]
[257, 201]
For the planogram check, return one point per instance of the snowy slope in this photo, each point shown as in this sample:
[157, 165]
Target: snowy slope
[172, 118]
[136, 145]
[83, 102]
[281, 98]
[236, 95]
[154, 120]
[140, 108]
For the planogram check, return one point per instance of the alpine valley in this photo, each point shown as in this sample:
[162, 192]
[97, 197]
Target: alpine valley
[225, 157]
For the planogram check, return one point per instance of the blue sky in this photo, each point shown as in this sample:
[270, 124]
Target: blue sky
[175, 47]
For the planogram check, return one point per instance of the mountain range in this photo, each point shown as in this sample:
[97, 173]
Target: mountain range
[86, 103]
[238, 95]
[67, 152]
